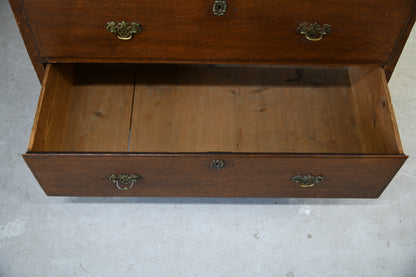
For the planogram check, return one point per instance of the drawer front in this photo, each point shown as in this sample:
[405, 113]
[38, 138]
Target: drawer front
[191, 175]
[249, 31]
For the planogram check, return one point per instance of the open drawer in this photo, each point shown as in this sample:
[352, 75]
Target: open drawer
[214, 131]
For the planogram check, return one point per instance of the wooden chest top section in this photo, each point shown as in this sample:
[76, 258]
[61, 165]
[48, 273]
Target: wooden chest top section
[371, 32]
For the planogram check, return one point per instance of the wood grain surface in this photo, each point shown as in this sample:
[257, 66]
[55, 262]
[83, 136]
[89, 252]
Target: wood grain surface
[49, 122]
[340, 117]
[190, 175]
[249, 32]
[342, 114]
[99, 109]
[178, 108]
[84, 108]
[262, 109]
[375, 115]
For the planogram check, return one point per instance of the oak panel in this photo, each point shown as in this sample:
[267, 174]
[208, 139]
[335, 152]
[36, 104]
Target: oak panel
[249, 32]
[190, 175]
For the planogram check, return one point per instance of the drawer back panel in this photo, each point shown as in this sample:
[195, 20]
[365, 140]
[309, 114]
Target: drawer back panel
[188, 31]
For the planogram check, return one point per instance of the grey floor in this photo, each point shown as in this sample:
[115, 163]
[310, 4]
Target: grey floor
[45, 236]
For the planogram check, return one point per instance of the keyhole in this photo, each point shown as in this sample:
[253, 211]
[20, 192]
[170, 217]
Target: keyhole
[219, 7]
[217, 164]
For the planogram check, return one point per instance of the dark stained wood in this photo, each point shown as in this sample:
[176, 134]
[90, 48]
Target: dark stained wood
[190, 175]
[352, 140]
[28, 37]
[401, 41]
[187, 31]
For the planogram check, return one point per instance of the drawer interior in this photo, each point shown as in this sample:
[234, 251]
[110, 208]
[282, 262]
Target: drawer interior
[214, 108]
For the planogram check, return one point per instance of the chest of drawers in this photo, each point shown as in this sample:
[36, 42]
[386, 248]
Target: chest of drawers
[214, 98]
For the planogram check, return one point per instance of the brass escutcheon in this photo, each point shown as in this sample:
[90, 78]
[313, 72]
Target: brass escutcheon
[123, 30]
[313, 32]
[307, 181]
[219, 7]
[217, 164]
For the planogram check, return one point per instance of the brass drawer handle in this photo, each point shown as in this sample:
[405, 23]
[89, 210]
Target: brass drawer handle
[219, 7]
[127, 181]
[307, 181]
[123, 30]
[313, 32]
[217, 164]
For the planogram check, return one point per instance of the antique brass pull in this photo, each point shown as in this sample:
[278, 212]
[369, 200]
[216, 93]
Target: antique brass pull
[217, 164]
[123, 30]
[219, 7]
[307, 181]
[126, 180]
[313, 32]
